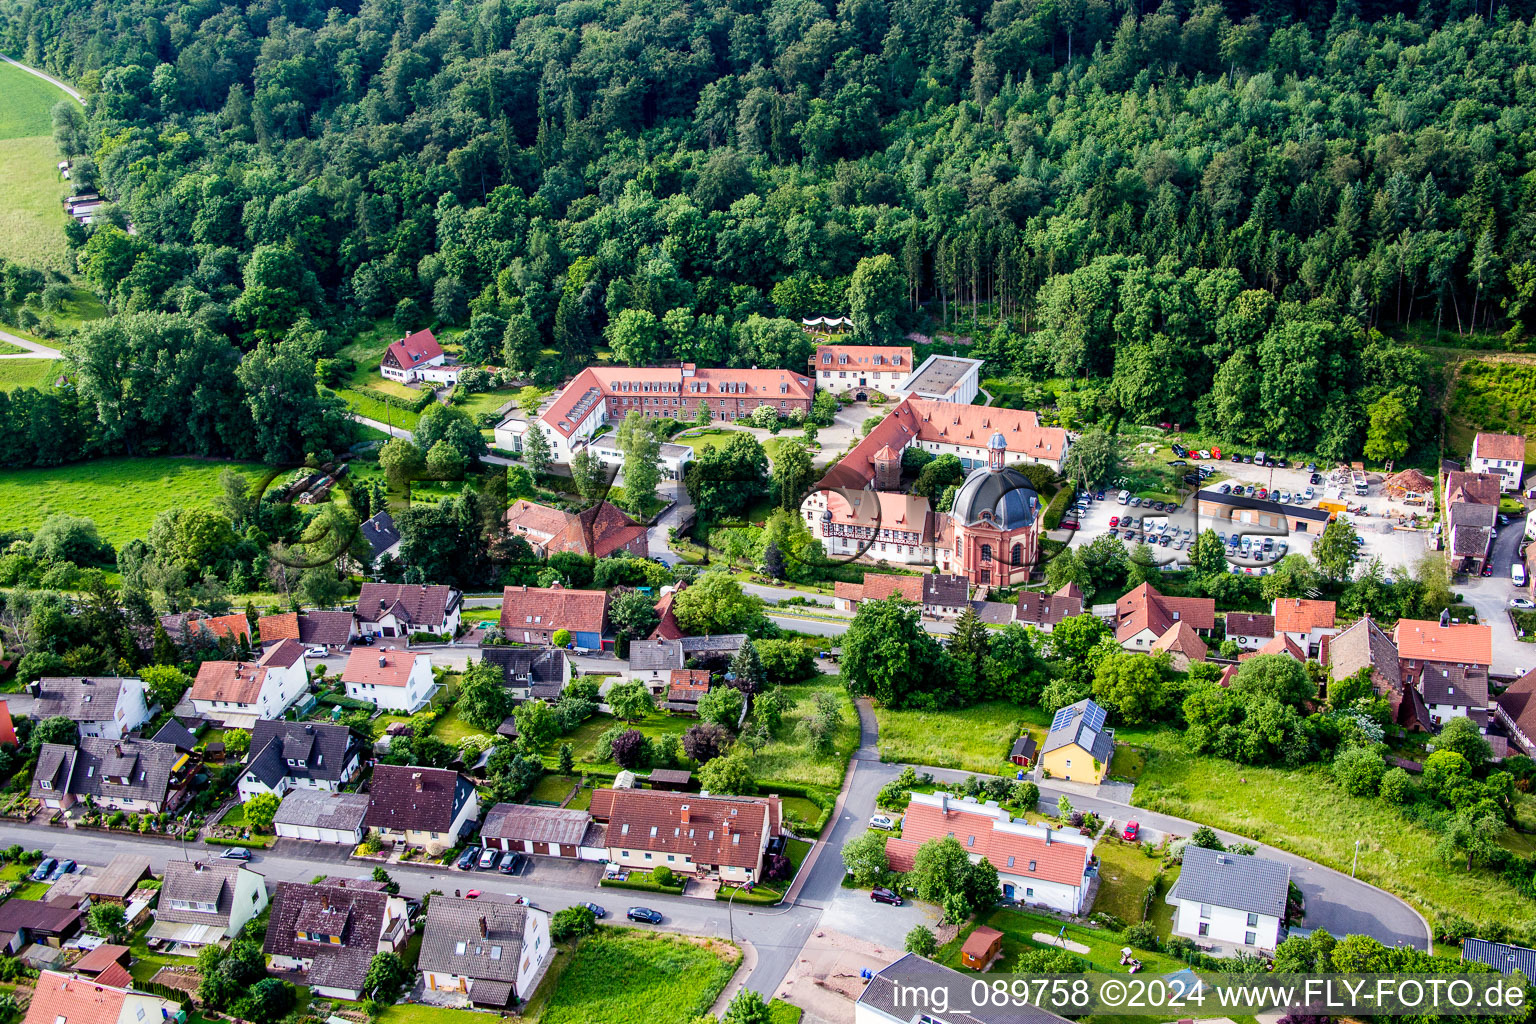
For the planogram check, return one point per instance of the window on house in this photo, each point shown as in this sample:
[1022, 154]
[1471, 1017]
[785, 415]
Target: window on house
[1205, 910]
[1250, 939]
[1253, 920]
[1204, 929]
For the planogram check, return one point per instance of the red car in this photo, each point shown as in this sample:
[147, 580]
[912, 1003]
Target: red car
[1114, 521]
[1132, 830]
[1072, 524]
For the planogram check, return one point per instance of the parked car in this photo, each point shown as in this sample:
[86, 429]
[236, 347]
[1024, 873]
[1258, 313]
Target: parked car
[882, 822]
[1165, 541]
[597, 911]
[1236, 457]
[316, 652]
[1315, 478]
[1225, 488]
[236, 853]
[64, 868]
[1248, 460]
[1263, 492]
[1522, 602]
[881, 894]
[1308, 494]
[645, 915]
[1098, 495]
[366, 641]
[489, 858]
[513, 863]
[44, 869]
[1135, 501]
[1132, 830]
[468, 857]
[1124, 498]
[1070, 524]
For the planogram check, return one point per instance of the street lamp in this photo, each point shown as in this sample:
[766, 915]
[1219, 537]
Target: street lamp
[1356, 861]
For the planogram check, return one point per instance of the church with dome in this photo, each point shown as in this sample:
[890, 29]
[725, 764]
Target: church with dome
[995, 522]
[991, 533]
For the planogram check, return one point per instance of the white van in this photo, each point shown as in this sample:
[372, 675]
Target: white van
[1517, 573]
[1125, 496]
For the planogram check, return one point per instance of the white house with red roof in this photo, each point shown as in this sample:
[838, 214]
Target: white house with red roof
[238, 694]
[1500, 454]
[600, 395]
[1036, 865]
[419, 357]
[397, 680]
[860, 369]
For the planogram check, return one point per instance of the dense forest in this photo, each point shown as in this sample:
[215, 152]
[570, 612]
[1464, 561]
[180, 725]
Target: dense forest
[1211, 213]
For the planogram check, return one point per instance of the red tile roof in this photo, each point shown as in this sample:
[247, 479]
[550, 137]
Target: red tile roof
[384, 666]
[688, 684]
[115, 975]
[878, 586]
[1145, 608]
[725, 830]
[98, 959]
[667, 628]
[946, 423]
[530, 517]
[1499, 446]
[1055, 861]
[1473, 488]
[597, 383]
[870, 357]
[1181, 639]
[1279, 644]
[237, 682]
[1462, 643]
[284, 626]
[412, 602]
[58, 997]
[414, 349]
[1247, 624]
[1300, 615]
[235, 624]
[1519, 703]
[598, 531]
[1040, 609]
[551, 608]
[901, 854]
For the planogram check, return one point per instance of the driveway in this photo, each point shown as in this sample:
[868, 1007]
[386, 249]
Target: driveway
[45, 77]
[1490, 596]
[34, 350]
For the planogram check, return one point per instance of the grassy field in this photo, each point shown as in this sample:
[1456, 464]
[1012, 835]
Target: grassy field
[551, 789]
[453, 730]
[622, 976]
[372, 408]
[583, 739]
[27, 373]
[1019, 928]
[418, 1013]
[1494, 395]
[788, 758]
[123, 496]
[1124, 873]
[974, 739]
[708, 435]
[31, 215]
[1305, 812]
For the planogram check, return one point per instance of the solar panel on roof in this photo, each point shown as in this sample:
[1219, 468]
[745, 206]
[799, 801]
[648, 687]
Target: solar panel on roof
[1063, 718]
[1093, 717]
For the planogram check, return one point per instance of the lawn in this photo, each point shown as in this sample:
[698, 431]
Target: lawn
[484, 402]
[621, 976]
[28, 373]
[453, 730]
[31, 212]
[1019, 927]
[367, 406]
[583, 739]
[551, 789]
[383, 722]
[417, 1013]
[697, 438]
[789, 759]
[1124, 874]
[973, 739]
[122, 496]
[1304, 811]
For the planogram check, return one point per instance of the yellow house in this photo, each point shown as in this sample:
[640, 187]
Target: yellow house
[1078, 747]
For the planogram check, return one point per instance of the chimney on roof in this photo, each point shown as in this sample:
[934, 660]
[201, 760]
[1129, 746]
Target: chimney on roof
[383, 661]
[685, 814]
[483, 930]
[1047, 835]
[416, 778]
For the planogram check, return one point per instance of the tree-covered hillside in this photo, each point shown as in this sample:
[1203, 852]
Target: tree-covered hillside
[1209, 208]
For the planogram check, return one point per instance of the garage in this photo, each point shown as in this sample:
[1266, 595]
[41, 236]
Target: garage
[320, 816]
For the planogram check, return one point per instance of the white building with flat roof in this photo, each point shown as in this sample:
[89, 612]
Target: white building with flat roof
[945, 379]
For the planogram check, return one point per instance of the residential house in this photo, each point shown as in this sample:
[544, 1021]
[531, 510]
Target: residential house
[427, 807]
[300, 755]
[1421, 643]
[382, 537]
[666, 626]
[322, 816]
[877, 586]
[685, 688]
[1475, 488]
[1515, 708]
[419, 357]
[652, 662]
[544, 831]
[671, 459]
[531, 673]
[106, 706]
[1079, 747]
[889, 998]
[196, 625]
[238, 694]
[1306, 621]
[1501, 956]
[1250, 631]
[1279, 644]
[1470, 542]
[599, 530]
[118, 775]
[492, 949]
[1229, 897]
[1044, 611]
[397, 680]
[1036, 864]
[945, 596]
[1143, 615]
[722, 836]
[532, 615]
[1366, 646]
[1182, 644]
[330, 629]
[861, 369]
[206, 901]
[331, 932]
[24, 922]
[1501, 454]
[401, 609]
[60, 998]
[1455, 692]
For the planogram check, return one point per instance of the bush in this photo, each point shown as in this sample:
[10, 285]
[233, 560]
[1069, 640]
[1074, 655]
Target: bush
[663, 875]
[1359, 771]
[572, 922]
[1143, 935]
[921, 940]
[1058, 506]
[1396, 787]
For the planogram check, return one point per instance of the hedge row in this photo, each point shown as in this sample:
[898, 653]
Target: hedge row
[1057, 508]
[645, 885]
[418, 404]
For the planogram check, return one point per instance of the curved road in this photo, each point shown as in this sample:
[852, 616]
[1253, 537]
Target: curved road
[34, 350]
[45, 77]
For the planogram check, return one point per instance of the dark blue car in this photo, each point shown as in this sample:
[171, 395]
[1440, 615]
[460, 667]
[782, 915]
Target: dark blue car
[645, 915]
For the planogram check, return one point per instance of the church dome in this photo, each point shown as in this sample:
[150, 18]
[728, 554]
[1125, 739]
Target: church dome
[1003, 498]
